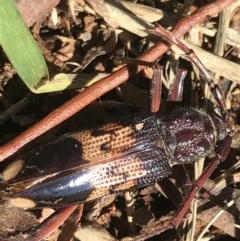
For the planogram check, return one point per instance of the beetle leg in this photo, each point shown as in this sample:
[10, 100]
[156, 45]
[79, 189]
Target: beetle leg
[155, 90]
[221, 155]
[170, 190]
[176, 90]
[182, 178]
[214, 88]
[156, 81]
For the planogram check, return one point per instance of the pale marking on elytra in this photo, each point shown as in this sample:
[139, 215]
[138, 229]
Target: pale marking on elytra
[139, 126]
[22, 202]
[12, 170]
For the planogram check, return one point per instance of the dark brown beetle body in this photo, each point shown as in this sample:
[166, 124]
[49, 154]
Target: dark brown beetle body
[131, 153]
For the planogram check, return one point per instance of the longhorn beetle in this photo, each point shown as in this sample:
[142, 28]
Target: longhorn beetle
[133, 152]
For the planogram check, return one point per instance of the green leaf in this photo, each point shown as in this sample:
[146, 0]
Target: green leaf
[20, 47]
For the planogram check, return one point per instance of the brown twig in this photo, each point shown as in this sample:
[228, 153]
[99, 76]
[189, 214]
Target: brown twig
[108, 83]
[53, 222]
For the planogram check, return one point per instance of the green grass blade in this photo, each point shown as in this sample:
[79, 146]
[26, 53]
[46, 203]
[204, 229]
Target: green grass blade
[20, 47]
[63, 81]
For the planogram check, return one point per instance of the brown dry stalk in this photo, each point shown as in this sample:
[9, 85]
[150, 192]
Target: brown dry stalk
[53, 222]
[112, 81]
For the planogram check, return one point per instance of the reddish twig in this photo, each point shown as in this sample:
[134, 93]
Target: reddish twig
[110, 82]
[53, 222]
